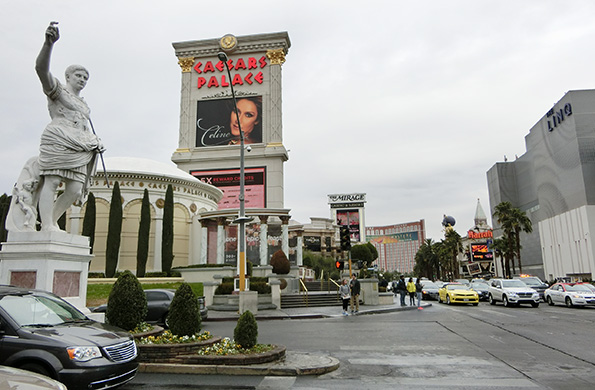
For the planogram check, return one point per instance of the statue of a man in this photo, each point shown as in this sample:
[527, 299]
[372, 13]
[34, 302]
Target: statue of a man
[68, 147]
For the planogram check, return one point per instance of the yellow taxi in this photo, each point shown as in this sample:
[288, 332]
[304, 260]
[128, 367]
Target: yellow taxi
[457, 293]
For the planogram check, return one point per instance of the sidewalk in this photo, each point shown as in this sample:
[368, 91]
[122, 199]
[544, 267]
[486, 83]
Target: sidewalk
[311, 312]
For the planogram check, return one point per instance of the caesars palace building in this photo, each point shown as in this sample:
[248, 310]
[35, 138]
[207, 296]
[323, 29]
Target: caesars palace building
[206, 181]
[554, 183]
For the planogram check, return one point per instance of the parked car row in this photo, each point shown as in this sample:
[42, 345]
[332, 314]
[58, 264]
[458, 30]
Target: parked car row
[516, 291]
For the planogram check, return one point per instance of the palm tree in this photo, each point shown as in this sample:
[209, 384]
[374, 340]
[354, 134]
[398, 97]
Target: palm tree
[513, 221]
[520, 222]
[426, 263]
[502, 250]
[453, 245]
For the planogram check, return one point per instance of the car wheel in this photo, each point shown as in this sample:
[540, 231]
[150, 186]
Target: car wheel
[439, 299]
[535, 304]
[549, 301]
[505, 301]
[569, 302]
[491, 300]
[448, 299]
[36, 368]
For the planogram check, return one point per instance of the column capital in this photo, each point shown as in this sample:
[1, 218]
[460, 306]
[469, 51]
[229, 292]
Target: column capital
[285, 219]
[204, 222]
[222, 221]
[186, 64]
[263, 218]
[276, 56]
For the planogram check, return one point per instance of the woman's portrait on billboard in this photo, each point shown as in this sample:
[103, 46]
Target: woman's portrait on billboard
[217, 123]
[250, 112]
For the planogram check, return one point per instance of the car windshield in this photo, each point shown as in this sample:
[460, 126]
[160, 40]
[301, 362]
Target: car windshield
[513, 283]
[429, 285]
[578, 288]
[531, 281]
[457, 287]
[480, 285]
[39, 310]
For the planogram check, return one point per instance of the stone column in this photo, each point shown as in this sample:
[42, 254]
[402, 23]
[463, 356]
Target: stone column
[299, 251]
[285, 234]
[276, 58]
[184, 139]
[264, 239]
[221, 222]
[204, 241]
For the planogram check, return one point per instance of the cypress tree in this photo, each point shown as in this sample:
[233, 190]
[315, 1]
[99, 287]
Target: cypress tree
[89, 220]
[113, 232]
[144, 228]
[167, 244]
[4, 206]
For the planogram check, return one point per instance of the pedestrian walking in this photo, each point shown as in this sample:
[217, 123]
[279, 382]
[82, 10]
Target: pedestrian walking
[411, 292]
[345, 296]
[402, 289]
[355, 290]
[419, 290]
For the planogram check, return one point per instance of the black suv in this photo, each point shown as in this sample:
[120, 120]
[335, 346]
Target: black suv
[41, 332]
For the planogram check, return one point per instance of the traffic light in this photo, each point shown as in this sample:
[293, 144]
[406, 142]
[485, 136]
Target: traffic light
[340, 264]
[345, 238]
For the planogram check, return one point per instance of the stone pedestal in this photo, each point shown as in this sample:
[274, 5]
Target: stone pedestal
[52, 261]
[369, 291]
[248, 301]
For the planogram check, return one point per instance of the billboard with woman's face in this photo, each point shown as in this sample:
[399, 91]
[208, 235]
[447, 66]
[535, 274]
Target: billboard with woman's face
[217, 123]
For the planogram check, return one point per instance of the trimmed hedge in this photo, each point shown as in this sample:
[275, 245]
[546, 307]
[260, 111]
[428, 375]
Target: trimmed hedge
[246, 330]
[184, 318]
[127, 303]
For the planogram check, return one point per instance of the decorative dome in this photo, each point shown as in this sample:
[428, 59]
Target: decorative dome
[144, 166]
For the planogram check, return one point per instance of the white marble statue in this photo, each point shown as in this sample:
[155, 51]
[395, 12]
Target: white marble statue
[68, 148]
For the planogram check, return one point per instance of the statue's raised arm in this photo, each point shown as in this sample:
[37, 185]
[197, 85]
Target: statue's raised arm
[42, 65]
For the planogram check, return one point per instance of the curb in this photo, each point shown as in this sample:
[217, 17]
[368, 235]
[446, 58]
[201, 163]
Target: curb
[294, 364]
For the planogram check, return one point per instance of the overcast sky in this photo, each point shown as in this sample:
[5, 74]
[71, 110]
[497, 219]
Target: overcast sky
[410, 102]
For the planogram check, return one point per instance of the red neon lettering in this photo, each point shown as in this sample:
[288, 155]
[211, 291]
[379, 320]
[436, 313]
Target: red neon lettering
[263, 61]
[230, 64]
[240, 64]
[223, 82]
[259, 77]
[197, 67]
[213, 82]
[248, 78]
[220, 67]
[252, 64]
[201, 82]
[237, 80]
[209, 67]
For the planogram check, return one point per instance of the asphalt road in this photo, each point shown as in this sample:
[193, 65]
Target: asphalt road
[441, 347]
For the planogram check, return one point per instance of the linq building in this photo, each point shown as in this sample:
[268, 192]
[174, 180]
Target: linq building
[209, 142]
[553, 184]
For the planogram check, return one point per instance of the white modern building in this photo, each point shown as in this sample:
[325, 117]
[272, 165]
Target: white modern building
[553, 182]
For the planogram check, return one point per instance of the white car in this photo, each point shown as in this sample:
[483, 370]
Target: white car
[15, 379]
[511, 292]
[569, 294]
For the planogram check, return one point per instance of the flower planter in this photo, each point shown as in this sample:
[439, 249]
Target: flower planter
[277, 353]
[168, 353]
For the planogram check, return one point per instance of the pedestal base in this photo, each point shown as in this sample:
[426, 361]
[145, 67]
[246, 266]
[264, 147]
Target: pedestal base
[52, 261]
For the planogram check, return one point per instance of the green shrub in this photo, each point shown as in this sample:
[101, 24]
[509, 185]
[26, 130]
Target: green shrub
[280, 263]
[246, 331]
[127, 303]
[260, 287]
[183, 318]
[224, 289]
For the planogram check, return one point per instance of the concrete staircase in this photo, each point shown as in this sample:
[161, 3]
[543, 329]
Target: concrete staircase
[312, 299]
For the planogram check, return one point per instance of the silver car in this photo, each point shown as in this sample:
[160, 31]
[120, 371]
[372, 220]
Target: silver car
[569, 294]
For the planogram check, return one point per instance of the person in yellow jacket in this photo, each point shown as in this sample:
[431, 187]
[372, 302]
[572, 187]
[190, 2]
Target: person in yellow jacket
[411, 291]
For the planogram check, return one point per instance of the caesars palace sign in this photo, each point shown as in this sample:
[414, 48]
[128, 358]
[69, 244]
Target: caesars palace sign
[212, 74]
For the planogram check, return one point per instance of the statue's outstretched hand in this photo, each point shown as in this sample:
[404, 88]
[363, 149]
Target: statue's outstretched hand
[52, 34]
